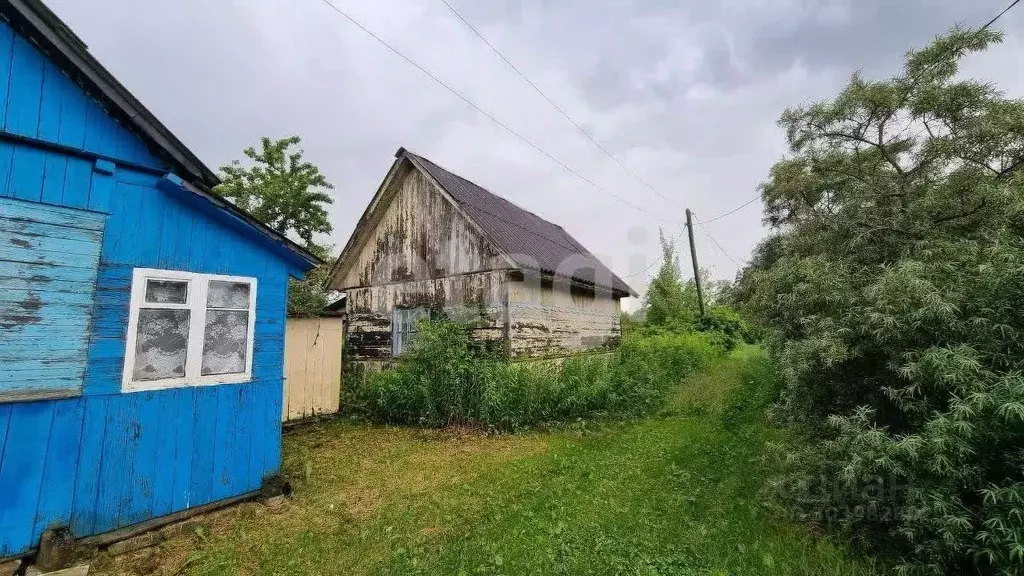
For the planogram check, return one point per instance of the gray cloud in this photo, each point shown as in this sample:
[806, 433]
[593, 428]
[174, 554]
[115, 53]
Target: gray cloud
[686, 93]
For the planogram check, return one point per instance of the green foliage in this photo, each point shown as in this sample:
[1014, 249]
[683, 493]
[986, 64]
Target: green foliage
[308, 297]
[669, 495]
[727, 323]
[447, 380]
[671, 305]
[667, 300]
[892, 290]
[758, 388]
[289, 195]
[280, 189]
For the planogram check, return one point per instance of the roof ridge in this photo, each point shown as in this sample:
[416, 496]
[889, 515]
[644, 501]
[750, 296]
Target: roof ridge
[501, 218]
[498, 196]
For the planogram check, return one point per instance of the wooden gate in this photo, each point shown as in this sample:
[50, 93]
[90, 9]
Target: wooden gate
[312, 367]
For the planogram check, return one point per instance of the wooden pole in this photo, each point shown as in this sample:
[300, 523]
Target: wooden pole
[693, 257]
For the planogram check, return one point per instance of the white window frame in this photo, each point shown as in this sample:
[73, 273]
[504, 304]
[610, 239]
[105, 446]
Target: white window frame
[195, 302]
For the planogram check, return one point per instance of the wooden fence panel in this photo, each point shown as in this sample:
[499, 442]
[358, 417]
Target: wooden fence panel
[312, 367]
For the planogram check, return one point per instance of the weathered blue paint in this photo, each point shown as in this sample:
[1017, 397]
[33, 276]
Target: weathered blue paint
[48, 261]
[102, 459]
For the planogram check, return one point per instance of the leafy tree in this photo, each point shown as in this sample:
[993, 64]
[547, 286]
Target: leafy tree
[290, 196]
[666, 300]
[280, 189]
[308, 297]
[892, 286]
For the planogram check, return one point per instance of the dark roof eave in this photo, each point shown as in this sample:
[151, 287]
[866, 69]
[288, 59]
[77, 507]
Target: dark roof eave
[303, 254]
[585, 283]
[447, 179]
[54, 36]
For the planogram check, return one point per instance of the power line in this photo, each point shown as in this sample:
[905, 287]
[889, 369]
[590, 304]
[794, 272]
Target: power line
[735, 210]
[658, 259]
[485, 113]
[560, 110]
[753, 200]
[717, 245]
[1000, 15]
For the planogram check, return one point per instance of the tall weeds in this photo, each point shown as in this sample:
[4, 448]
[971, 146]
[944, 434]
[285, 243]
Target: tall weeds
[447, 381]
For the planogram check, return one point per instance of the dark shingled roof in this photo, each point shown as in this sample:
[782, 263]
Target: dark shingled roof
[531, 241]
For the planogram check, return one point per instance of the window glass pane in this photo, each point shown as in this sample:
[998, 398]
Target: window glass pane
[225, 342]
[161, 344]
[166, 291]
[228, 295]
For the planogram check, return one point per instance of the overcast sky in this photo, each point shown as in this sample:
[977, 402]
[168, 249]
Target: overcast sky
[685, 92]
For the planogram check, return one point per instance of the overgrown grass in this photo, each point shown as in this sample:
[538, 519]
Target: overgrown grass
[445, 381]
[671, 494]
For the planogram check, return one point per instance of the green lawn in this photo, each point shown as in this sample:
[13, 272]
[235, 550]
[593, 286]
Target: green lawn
[674, 494]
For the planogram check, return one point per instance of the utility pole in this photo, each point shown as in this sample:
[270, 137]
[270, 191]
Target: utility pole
[693, 257]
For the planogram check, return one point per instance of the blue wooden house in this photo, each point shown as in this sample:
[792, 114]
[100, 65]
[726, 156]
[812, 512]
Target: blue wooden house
[141, 317]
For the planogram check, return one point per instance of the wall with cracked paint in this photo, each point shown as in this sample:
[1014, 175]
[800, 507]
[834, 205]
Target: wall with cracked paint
[420, 251]
[549, 319]
[82, 204]
[420, 235]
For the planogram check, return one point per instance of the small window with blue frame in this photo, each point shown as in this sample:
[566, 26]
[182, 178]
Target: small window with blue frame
[404, 326]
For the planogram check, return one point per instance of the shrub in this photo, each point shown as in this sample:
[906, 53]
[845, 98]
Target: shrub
[446, 380]
[893, 291]
[726, 322]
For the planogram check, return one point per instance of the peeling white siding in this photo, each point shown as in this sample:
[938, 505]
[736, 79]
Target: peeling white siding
[420, 235]
[547, 320]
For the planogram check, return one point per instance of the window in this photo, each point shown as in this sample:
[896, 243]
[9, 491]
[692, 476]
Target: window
[404, 328]
[188, 329]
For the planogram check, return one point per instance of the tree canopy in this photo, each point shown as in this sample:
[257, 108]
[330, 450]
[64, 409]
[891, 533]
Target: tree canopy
[280, 189]
[665, 299]
[892, 285]
[291, 196]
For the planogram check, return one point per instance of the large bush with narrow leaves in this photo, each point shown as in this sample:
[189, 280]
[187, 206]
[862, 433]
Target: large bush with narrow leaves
[893, 290]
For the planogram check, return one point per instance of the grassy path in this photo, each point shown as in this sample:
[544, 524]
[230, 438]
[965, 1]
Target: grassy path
[673, 494]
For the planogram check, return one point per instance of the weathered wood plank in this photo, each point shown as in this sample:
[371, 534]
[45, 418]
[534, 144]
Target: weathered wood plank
[181, 468]
[20, 374]
[203, 447]
[223, 442]
[43, 273]
[42, 240]
[113, 470]
[21, 473]
[49, 108]
[58, 482]
[25, 91]
[27, 169]
[31, 228]
[90, 457]
[138, 503]
[170, 403]
[56, 215]
[6, 51]
[53, 179]
[420, 235]
[72, 113]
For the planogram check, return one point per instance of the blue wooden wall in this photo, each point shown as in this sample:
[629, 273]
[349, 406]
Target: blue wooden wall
[105, 459]
[49, 257]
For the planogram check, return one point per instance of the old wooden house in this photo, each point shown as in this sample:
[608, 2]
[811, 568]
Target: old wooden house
[433, 242]
[141, 317]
